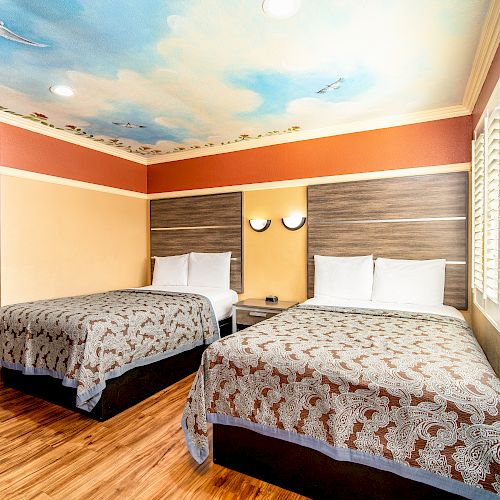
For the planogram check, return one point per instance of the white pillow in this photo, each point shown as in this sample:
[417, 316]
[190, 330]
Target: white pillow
[171, 270]
[409, 281]
[343, 277]
[210, 269]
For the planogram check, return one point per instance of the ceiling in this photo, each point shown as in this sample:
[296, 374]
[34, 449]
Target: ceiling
[202, 73]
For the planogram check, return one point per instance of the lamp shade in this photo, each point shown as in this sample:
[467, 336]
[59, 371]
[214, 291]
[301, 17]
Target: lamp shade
[293, 222]
[259, 225]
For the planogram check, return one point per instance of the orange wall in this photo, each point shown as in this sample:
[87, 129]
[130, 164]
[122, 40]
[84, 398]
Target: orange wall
[438, 142]
[487, 89]
[26, 150]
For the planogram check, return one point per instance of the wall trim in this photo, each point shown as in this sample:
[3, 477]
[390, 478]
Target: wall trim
[485, 52]
[52, 179]
[382, 174]
[329, 179]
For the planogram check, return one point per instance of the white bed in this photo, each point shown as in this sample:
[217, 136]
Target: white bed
[222, 300]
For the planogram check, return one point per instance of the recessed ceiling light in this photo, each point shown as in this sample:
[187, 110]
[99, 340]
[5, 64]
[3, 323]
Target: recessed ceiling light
[281, 9]
[62, 90]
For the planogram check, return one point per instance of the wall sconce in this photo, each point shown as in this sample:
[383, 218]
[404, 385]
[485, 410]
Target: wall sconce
[259, 225]
[293, 222]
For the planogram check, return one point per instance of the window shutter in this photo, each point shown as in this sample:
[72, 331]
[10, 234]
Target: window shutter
[492, 201]
[478, 213]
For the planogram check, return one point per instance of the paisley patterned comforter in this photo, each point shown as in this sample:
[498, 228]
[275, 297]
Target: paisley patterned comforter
[88, 339]
[406, 392]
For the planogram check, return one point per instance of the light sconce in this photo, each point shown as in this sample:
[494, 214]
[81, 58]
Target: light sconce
[259, 225]
[293, 222]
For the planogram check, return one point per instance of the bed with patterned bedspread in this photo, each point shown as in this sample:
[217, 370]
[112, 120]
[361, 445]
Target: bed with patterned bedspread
[405, 392]
[87, 340]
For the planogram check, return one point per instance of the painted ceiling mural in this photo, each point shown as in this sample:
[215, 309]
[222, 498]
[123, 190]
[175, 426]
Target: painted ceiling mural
[160, 76]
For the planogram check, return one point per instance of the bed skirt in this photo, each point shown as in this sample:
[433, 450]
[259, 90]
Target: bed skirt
[310, 472]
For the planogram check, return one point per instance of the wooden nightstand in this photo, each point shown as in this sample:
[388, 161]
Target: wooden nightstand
[251, 311]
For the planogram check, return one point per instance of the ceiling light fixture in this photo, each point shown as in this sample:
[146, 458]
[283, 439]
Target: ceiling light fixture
[280, 9]
[62, 90]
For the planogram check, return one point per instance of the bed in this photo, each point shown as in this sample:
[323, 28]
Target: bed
[319, 397]
[362, 398]
[102, 353]
[199, 225]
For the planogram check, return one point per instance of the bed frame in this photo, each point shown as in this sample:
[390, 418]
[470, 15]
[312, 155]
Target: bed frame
[415, 217]
[121, 392]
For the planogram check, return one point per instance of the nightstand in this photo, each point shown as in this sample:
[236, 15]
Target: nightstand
[251, 311]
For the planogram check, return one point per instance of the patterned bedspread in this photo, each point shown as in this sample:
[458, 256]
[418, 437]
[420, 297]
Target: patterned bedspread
[88, 339]
[405, 392]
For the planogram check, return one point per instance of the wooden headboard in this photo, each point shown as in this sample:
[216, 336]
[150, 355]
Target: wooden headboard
[200, 224]
[418, 217]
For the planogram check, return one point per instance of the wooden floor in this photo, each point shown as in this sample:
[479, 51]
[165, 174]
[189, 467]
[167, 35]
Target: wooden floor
[49, 452]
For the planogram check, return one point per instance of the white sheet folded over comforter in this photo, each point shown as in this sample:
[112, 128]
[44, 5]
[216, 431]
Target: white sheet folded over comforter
[222, 300]
[449, 311]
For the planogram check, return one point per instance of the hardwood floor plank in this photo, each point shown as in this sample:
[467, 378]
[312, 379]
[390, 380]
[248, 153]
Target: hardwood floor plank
[50, 453]
[41, 496]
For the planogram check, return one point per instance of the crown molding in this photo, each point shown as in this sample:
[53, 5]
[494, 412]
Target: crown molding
[66, 136]
[52, 179]
[327, 179]
[304, 135]
[485, 52]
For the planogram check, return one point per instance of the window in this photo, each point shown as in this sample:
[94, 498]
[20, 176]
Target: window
[486, 215]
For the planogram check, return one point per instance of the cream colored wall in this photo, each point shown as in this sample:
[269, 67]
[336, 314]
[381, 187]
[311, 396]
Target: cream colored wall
[488, 337]
[59, 240]
[275, 260]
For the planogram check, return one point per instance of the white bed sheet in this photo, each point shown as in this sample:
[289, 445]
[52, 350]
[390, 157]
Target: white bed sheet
[222, 300]
[390, 306]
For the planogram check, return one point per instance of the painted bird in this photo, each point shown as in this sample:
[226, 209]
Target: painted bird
[10, 35]
[129, 125]
[333, 86]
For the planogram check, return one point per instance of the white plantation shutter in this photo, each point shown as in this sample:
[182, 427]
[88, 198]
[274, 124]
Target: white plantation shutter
[492, 205]
[478, 213]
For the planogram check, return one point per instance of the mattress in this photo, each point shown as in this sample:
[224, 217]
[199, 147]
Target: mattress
[222, 300]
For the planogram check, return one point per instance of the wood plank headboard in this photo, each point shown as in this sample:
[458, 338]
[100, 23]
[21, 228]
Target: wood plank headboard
[210, 223]
[418, 217]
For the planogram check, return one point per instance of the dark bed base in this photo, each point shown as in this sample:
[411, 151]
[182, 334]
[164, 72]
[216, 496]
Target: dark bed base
[309, 472]
[120, 392]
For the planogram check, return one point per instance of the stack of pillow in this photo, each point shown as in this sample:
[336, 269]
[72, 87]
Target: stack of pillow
[193, 269]
[394, 280]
